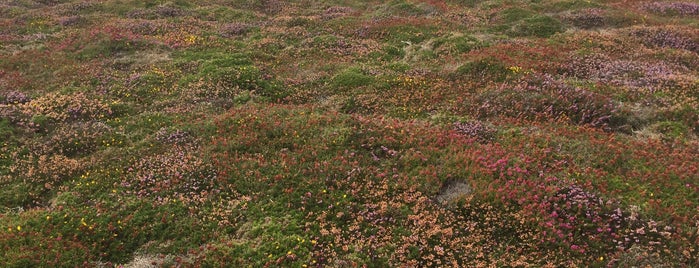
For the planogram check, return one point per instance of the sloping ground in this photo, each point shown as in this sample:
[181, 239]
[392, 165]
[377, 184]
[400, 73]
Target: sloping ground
[409, 133]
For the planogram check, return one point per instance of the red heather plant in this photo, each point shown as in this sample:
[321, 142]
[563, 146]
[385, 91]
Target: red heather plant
[176, 174]
[574, 218]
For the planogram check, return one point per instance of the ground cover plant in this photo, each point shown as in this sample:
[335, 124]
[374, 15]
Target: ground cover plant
[403, 133]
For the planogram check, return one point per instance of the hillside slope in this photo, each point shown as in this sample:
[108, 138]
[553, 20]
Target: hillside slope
[336, 133]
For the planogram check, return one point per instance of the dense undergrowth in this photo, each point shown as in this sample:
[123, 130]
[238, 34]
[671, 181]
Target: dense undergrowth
[411, 133]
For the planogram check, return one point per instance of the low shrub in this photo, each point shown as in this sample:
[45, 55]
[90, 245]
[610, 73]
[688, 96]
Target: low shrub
[224, 76]
[673, 8]
[665, 38]
[14, 97]
[234, 29]
[635, 74]
[482, 70]
[59, 107]
[542, 97]
[74, 139]
[541, 26]
[478, 130]
[587, 18]
[352, 78]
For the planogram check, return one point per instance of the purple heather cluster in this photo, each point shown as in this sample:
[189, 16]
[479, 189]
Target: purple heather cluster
[681, 8]
[665, 38]
[543, 96]
[482, 132]
[234, 29]
[172, 137]
[587, 18]
[16, 97]
[628, 73]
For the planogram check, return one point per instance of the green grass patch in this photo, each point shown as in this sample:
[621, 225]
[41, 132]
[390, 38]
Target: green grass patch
[352, 78]
[541, 26]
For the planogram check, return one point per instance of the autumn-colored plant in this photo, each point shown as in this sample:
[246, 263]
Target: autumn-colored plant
[405, 133]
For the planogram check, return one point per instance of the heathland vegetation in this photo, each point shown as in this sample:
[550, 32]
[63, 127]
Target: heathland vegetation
[338, 133]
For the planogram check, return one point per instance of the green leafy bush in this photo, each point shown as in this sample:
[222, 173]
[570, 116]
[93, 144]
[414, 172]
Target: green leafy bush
[352, 78]
[482, 70]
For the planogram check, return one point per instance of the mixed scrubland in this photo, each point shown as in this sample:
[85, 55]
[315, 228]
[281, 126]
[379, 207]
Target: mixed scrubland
[338, 133]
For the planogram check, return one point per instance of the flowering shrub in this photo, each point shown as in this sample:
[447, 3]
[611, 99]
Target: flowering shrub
[145, 27]
[483, 69]
[668, 38]
[543, 97]
[67, 107]
[15, 97]
[406, 133]
[234, 29]
[75, 139]
[160, 12]
[478, 130]
[599, 225]
[587, 18]
[78, 8]
[36, 176]
[178, 174]
[673, 8]
[177, 136]
[628, 73]
[336, 12]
